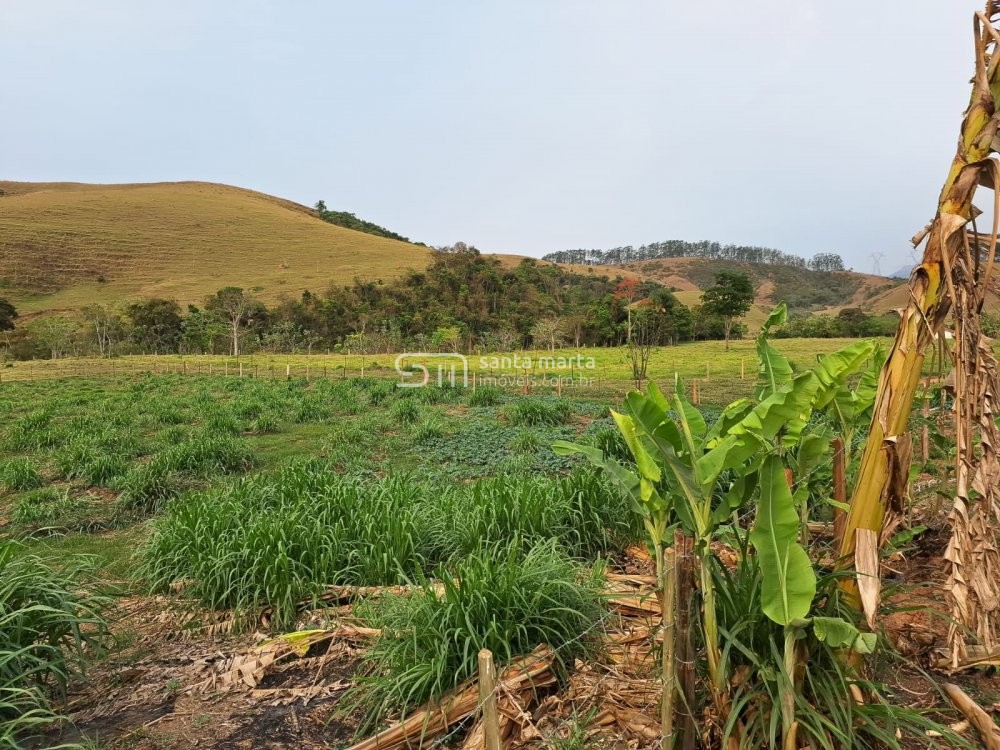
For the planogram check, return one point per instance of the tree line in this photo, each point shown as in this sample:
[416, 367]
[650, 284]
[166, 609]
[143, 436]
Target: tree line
[617, 256]
[462, 301]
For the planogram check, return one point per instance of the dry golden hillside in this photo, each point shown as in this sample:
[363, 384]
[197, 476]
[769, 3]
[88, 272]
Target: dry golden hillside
[63, 245]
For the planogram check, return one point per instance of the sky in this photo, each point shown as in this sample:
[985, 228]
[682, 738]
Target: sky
[521, 126]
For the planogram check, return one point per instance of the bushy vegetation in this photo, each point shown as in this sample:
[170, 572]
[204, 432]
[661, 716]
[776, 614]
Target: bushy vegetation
[51, 620]
[499, 597]
[538, 411]
[277, 540]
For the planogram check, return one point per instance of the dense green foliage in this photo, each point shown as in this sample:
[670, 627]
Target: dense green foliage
[49, 621]
[498, 598]
[277, 540]
[350, 221]
[7, 315]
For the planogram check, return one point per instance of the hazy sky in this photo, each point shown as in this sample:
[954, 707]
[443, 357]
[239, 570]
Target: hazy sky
[516, 125]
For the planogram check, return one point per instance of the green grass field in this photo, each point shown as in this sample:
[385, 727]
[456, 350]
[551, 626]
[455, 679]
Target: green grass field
[722, 375]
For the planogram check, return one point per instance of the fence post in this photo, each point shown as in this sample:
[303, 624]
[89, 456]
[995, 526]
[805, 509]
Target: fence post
[669, 592]
[694, 392]
[473, 381]
[488, 699]
[241, 369]
[743, 363]
[288, 372]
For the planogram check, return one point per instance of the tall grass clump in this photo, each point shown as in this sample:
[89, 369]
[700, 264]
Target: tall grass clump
[17, 474]
[537, 412]
[43, 507]
[585, 515]
[379, 394]
[277, 540]
[51, 619]
[428, 429]
[500, 598]
[405, 411]
[485, 396]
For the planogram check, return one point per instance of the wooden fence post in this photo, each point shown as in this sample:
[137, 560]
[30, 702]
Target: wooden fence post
[694, 392]
[241, 369]
[488, 699]
[743, 363]
[669, 592]
[288, 372]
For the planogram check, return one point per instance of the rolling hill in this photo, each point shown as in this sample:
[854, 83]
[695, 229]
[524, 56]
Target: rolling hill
[65, 245]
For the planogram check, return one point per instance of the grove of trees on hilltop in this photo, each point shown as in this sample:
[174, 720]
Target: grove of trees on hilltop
[618, 256]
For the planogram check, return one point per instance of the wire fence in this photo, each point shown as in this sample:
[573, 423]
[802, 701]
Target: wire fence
[713, 387]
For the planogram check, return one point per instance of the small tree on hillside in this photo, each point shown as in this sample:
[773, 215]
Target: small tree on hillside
[730, 298]
[548, 332]
[56, 334]
[647, 334]
[7, 315]
[237, 309]
[628, 291]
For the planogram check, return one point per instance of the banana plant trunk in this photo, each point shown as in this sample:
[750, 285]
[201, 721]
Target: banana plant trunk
[882, 477]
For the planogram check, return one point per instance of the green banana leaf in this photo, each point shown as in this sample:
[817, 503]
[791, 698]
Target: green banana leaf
[788, 585]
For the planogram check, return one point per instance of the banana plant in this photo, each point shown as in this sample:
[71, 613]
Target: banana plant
[678, 464]
[788, 587]
[679, 460]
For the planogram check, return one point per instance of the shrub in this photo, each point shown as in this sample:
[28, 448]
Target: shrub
[50, 619]
[18, 474]
[534, 411]
[497, 598]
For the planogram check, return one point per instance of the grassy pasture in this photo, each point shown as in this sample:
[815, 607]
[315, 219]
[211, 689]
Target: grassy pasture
[595, 372]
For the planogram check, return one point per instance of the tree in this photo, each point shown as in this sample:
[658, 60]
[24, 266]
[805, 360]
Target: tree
[677, 321]
[201, 330]
[548, 332]
[446, 338]
[647, 335]
[628, 292]
[55, 334]
[237, 309]
[7, 315]
[156, 324]
[106, 323]
[730, 298]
